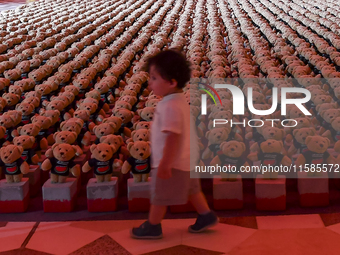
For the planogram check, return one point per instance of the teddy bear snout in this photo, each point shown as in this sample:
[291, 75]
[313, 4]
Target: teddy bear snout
[141, 154]
[104, 155]
[6, 157]
[271, 134]
[269, 143]
[232, 149]
[62, 138]
[321, 145]
[218, 137]
[62, 153]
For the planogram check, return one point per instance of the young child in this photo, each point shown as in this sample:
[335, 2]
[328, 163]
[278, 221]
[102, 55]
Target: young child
[170, 144]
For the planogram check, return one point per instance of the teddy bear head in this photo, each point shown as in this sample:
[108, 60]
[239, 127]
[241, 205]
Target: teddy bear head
[233, 149]
[152, 102]
[29, 129]
[73, 89]
[330, 114]
[116, 120]
[101, 87]
[11, 99]
[25, 108]
[271, 145]
[336, 124]
[115, 140]
[125, 114]
[91, 107]
[15, 89]
[301, 134]
[317, 144]
[64, 151]
[140, 135]
[65, 137]
[25, 141]
[44, 89]
[55, 105]
[321, 99]
[7, 120]
[93, 94]
[139, 150]
[82, 114]
[53, 114]
[103, 151]
[142, 125]
[122, 104]
[104, 129]
[217, 135]
[273, 133]
[10, 153]
[42, 121]
[146, 113]
[73, 124]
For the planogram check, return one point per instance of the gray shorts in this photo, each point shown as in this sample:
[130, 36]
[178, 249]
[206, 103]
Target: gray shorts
[175, 190]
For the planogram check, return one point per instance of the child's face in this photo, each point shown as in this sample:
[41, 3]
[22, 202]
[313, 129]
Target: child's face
[160, 86]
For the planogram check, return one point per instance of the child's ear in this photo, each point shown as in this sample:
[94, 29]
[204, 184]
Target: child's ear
[173, 83]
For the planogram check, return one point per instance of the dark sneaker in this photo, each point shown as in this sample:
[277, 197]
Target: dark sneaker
[203, 222]
[147, 231]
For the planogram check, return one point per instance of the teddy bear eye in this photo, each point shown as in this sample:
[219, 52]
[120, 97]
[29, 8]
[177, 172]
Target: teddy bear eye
[107, 150]
[100, 151]
[137, 149]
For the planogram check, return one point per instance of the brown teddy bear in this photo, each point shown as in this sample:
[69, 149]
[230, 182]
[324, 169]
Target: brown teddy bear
[270, 154]
[12, 100]
[62, 163]
[142, 125]
[95, 114]
[140, 161]
[3, 141]
[104, 159]
[117, 141]
[95, 94]
[126, 115]
[299, 140]
[27, 111]
[8, 122]
[105, 93]
[28, 144]
[65, 137]
[269, 133]
[87, 128]
[119, 130]
[12, 163]
[232, 156]
[316, 154]
[139, 135]
[103, 130]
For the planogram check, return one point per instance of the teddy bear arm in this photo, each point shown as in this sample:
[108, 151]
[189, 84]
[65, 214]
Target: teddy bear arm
[125, 151]
[86, 167]
[238, 137]
[79, 151]
[67, 116]
[24, 167]
[75, 170]
[126, 167]
[322, 130]
[117, 163]
[99, 118]
[102, 112]
[129, 140]
[43, 144]
[289, 138]
[253, 156]
[215, 161]
[140, 105]
[327, 134]
[286, 161]
[15, 133]
[206, 153]
[127, 132]
[46, 165]
[300, 161]
[91, 126]
[255, 147]
[49, 153]
[331, 160]
[337, 146]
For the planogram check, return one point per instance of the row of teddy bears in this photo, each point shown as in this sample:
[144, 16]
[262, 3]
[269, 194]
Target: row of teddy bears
[83, 116]
[246, 48]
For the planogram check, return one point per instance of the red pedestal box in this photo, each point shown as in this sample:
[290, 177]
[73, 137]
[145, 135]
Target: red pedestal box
[14, 197]
[34, 179]
[270, 194]
[80, 160]
[139, 196]
[313, 191]
[60, 197]
[227, 195]
[102, 197]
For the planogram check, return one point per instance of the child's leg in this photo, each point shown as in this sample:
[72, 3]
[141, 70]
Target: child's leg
[199, 202]
[156, 214]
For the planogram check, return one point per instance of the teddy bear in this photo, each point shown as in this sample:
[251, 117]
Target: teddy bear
[104, 160]
[146, 114]
[103, 130]
[9, 123]
[316, 154]
[95, 113]
[270, 155]
[65, 137]
[60, 106]
[11, 100]
[139, 135]
[333, 132]
[142, 125]
[118, 142]
[232, 155]
[215, 137]
[140, 161]
[95, 94]
[299, 140]
[28, 144]
[105, 93]
[12, 163]
[62, 162]
[27, 111]
[269, 132]
[119, 130]
[88, 125]
[126, 116]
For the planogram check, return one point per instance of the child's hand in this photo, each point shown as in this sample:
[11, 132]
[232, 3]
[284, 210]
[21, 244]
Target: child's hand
[164, 171]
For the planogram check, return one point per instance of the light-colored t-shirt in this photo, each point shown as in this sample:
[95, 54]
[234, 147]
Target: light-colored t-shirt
[172, 114]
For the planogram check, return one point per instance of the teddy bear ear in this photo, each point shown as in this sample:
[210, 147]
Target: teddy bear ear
[139, 111]
[74, 147]
[32, 138]
[313, 131]
[133, 133]
[207, 134]
[20, 149]
[17, 106]
[130, 145]
[94, 128]
[93, 147]
[3, 129]
[283, 132]
[113, 125]
[308, 139]
[327, 140]
[222, 144]
[54, 146]
[55, 135]
[295, 132]
[281, 144]
[15, 139]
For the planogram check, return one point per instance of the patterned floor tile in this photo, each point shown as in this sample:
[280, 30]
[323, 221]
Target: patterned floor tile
[247, 222]
[183, 250]
[290, 241]
[106, 227]
[290, 222]
[24, 251]
[330, 218]
[103, 245]
[221, 238]
[48, 238]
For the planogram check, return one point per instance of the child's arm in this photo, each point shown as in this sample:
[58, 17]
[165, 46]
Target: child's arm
[171, 146]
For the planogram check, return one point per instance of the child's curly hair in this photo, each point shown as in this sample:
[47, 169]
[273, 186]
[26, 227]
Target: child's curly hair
[171, 64]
